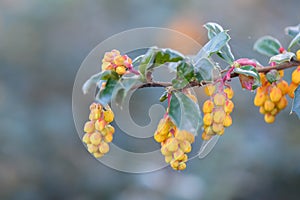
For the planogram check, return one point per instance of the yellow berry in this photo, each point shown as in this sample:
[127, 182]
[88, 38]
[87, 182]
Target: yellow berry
[189, 136]
[103, 147]
[89, 127]
[282, 103]
[121, 70]
[108, 116]
[219, 116]
[259, 99]
[100, 124]
[110, 129]
[178, 154]
[281, 73]
[92, 148]
[159, 137]
[274, 111]
[268, 105]
[86, 138]
[218, 128]
[174, 164]
[164, 151]
[228, 107]
[185, 146]
[283, 86]
[292, 89]
[207, 119]
[108, 138]
[209, 131]
[275, 94]
[172, 144]
[205, 136]
[229, 92]
[298, 54]
[95, 114]
[208, 106]
[181, 166]
[219, 99]
[228, 121]
[98, 155]
[269, 118]
[168, 158]
[209, 89]
[262, 110]
[95, 138]
[296, 75]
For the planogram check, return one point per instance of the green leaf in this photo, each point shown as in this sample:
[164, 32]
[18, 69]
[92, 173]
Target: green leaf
[267, 45]
[185, 70]
[248, 76]
[96, 78]
[292, 30]
[273, 76]
[296, 40]
[225, 53]
[179, 83]
[283, 57]
[185, 113]
[213, 46]
[296, 102]
[213, 29]
[247, 70]
[104, 96]
[164, 96]
[122, 87]
[204, 70]
[146, 61]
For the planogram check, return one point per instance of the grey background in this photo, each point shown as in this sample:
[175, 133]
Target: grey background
[42, 44]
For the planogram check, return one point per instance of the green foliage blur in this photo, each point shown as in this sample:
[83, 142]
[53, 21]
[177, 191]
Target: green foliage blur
[42, 44]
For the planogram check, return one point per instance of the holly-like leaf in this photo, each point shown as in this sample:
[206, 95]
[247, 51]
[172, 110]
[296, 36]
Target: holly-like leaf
[267, 45]
[96, 78]
[179, 83]
[296, 40]
[292, 30]
[104, 96]
[185, 113]
[283, 57]
[248, 76]
[213, 46]
[122, 88]
[146, 61]
[296, 102]
[166, 55]
[204, 70]
[225, 53]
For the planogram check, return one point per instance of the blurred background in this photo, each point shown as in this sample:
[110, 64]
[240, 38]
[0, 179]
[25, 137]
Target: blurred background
[43, 43]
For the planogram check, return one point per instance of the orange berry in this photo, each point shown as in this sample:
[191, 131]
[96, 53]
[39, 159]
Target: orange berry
[108, 138]
[275, 94]
[205, 136]
[218, 128]
[296, 76]
[282, 103]
[103, 147]
[283, 86]
[259, 98]
[269, 118]
[281, 73]
[292, 89]
[262, 110]
[268, 105]
[121, 70]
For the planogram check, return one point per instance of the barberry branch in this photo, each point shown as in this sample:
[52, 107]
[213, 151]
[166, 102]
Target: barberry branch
[282, 66]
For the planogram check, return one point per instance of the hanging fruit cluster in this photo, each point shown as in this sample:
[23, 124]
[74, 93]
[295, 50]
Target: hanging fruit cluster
[175, 143]
[98, 131]
[295, 78]
[270, 97]
[217, 110]
[114, 61]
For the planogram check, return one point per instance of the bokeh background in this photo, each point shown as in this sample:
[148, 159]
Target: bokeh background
[42, 44]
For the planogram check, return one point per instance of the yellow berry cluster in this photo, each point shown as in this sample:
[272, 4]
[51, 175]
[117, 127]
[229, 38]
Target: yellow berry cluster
[270, 97]
[175, 143]
[295, 78]
[217, 111]
[98, 131]
[113, 60]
